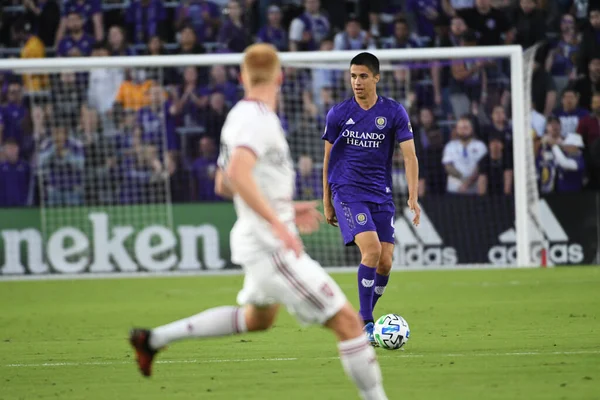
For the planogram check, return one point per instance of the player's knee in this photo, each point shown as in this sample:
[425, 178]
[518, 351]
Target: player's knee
[346, 323]
[371, 254]
[259, 319]
[385, 265]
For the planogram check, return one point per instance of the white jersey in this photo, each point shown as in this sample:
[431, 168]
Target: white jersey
[253, 125]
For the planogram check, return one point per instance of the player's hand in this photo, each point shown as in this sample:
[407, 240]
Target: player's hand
[308, 218]
[290, 241]
[413, 205]
[330, 215]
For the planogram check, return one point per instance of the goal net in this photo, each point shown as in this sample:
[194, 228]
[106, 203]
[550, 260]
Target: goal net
[116, 138]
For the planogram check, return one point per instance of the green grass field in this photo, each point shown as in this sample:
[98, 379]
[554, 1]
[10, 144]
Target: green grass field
[495, 334]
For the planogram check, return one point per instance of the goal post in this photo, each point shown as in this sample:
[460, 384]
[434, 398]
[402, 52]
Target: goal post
[524, 209]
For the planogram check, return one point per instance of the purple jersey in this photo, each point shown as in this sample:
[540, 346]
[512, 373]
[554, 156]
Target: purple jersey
[84, 44]
[146, 20]
[571, 181]
[151, 123]
[423, 8]
[204, 172]
[275, 36]
[13, 118]
[569, 120]
[14, 183]
[360, 165]
[86, 9]
[194, 12]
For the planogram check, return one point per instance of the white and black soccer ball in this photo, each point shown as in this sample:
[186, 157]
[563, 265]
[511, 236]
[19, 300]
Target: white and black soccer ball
[391, 331]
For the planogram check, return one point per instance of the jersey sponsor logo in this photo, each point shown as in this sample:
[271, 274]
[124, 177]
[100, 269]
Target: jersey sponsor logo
[367, 282]
[350, 122]
[363, 139]
[380, 122]
[422, 245]
[548, 234]
[361, 218]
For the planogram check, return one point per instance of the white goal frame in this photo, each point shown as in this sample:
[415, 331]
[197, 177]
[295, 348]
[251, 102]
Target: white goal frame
[512, 52]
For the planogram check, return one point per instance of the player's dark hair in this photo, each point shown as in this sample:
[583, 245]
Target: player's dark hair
[368, 60]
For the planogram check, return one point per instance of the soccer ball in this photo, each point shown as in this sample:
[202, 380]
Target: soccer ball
[391, 331]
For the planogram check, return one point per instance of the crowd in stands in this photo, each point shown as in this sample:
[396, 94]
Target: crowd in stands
[135, 135]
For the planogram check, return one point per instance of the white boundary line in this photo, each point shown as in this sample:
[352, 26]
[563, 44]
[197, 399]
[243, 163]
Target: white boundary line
[242, 360]
[228, 272]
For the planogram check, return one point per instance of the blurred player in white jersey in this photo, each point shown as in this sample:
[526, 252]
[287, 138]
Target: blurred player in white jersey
[255, 168]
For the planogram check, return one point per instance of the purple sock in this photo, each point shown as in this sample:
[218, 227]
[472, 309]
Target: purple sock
[381, 282]
[366, 282]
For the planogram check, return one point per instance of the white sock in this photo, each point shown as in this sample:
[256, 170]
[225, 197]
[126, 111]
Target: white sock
[219, 321]
[360, 364]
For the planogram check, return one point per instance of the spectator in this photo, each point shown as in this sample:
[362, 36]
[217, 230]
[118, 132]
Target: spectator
[468, 82]
[142, 176]
[426, 13]
[496, 168]
[117, 43]
[61, 165]
[219, 83]
[104, 85]
[100, 168]
[234, 36]
[530, 23]
[353, 38]
[538, 122]
[310, 28]
[543, 90]
[15, 117]
[500, 127]
[189, 101]
[461, 158]
[424, 128]
[589, 126]
[569, 113]
[156, 122]
[590, 41]
[145, 18]
[204, 170]
[297, 96]
[45, 16]
[155, 47]
[273, 32]
[76, 43]
[560, 61]
[216, 115]
[401, 38]
[201, 15]
[69, 97]
[489, 23]
[590, 84]
[15, 176]
[561, 164]
[133, 92]
[309, 181]
[323, 82]
[188, 44]
[31, 47]
[91, 13]
[433, 174]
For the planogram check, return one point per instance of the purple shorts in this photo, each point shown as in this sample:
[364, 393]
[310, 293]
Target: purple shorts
[356, 217]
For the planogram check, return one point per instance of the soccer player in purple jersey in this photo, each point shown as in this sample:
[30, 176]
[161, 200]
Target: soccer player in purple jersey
[360, 136]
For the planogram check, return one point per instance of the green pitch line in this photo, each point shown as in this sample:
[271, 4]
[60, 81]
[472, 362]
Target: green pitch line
[484, 334]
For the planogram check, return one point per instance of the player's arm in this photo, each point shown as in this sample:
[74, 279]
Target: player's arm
[411, 166]
[240, 176]
[329, 136]
[222, 186]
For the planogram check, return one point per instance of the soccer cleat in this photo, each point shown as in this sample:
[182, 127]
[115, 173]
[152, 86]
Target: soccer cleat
[369, 332]
[140, 340]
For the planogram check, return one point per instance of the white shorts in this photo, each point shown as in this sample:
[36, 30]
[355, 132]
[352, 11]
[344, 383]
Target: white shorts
[301, 284]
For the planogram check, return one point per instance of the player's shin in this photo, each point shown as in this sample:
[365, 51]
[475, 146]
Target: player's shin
[219, 321]
[360, 363]
[366, 283]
